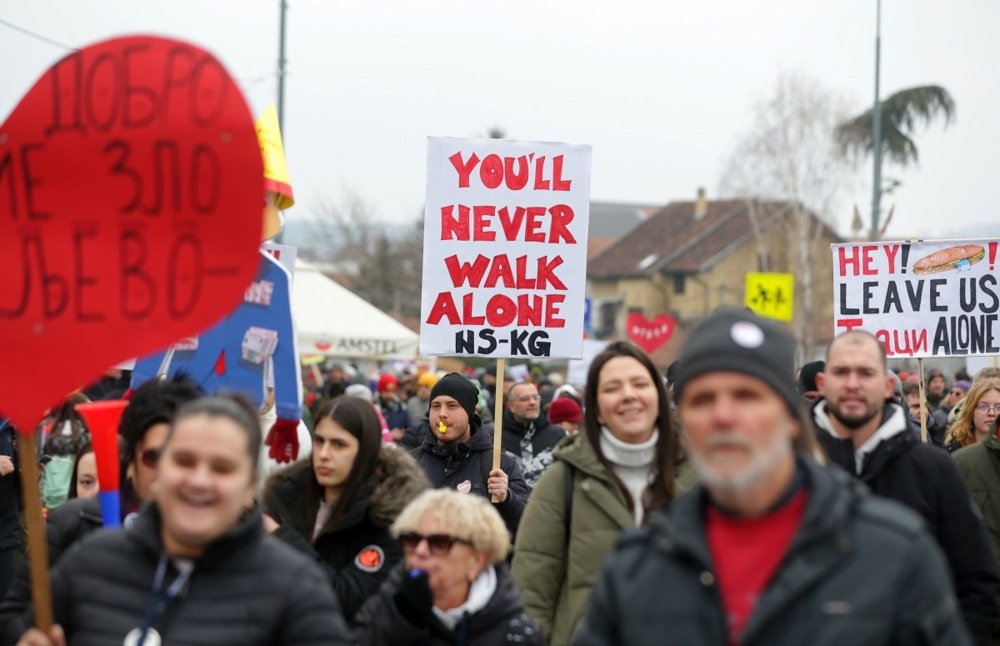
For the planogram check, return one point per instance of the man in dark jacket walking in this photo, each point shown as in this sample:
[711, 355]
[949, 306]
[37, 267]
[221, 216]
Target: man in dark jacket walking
[770, 548]
[527, 432]
[874, 441]
[460, 453]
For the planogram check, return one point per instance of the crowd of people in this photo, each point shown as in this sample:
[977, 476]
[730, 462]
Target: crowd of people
[727, 500]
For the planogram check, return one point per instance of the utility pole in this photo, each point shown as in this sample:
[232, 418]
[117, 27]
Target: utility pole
[876, 130]
[281, 69]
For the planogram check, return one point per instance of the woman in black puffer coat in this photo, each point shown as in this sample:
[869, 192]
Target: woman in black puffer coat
[337, 506]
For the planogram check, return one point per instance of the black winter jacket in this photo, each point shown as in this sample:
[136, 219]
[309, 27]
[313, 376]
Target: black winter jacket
[356, 551]
[248, 588]
[925, 479]
[502, 621]
[464, 467]
[543, 436]
[860, 570]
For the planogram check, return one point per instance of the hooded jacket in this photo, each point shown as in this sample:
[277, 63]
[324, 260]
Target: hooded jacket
[540, 435]
[356, 551]
[555, 578]
[860, 570]
[502, 621]
[979, 465]
[463, 466]
[925, 479]
[247, 588]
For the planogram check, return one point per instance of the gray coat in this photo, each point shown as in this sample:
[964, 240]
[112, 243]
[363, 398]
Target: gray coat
[860, 570]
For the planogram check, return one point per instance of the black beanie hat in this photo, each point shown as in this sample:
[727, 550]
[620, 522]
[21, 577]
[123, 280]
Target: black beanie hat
[740, 341]
[463, 390]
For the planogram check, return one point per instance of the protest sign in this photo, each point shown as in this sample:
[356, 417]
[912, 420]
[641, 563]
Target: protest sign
[770, 295]
[920, 299]
[131, 194]
[505, 248]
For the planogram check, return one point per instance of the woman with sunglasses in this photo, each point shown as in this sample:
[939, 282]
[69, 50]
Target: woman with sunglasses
[453, 587]
[196, 567]
[337, 507]
[980, 408]
[606, 479]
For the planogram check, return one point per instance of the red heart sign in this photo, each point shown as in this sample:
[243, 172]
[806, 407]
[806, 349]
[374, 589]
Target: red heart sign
[131, 189]
[650, 335]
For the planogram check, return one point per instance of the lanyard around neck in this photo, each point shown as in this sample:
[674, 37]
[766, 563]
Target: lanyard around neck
[160, 598]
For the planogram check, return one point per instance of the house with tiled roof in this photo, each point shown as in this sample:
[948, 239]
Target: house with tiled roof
[609, 221]
[691, 257]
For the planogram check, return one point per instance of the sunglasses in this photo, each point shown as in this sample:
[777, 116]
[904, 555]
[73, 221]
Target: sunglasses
[438, 544]
[150, 457]
[958, 392]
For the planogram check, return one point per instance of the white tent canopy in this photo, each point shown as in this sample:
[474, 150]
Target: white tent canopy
[331, 320]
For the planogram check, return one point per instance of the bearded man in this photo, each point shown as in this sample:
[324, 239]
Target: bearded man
[771, 547]
[871, 438]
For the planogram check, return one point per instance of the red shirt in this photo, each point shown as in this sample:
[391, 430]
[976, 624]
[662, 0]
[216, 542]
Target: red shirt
[747, 552]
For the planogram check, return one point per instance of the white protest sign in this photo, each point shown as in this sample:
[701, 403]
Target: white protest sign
[920, 299]
[505, 248]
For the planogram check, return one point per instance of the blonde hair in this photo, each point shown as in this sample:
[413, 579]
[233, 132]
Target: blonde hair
[962, 430]
[470, 517]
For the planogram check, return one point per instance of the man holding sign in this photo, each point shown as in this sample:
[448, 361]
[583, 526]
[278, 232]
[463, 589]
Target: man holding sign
[459, 455]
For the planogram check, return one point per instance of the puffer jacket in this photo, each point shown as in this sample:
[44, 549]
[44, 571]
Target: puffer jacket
[248, 588]
[556, 578]
[356, 551]
[979, 465]
[860, 570]
[501, 622]
[464, 466]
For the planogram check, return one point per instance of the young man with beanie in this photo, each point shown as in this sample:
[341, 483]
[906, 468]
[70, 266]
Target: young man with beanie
[873, 440]
[458, 452]
[527, 431]
[771, 547]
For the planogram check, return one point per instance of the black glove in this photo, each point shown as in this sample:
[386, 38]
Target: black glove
[414, 599]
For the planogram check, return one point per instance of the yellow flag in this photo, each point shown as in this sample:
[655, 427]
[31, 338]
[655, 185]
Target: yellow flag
[273, 151]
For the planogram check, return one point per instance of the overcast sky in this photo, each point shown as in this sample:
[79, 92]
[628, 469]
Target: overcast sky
[660, 89]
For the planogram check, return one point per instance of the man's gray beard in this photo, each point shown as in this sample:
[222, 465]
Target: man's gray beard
[760, 466]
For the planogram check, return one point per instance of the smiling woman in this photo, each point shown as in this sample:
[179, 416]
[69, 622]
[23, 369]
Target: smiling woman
[604, 480]
[173, 577]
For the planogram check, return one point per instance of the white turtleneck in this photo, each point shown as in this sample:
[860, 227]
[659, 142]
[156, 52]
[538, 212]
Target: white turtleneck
[632, 463]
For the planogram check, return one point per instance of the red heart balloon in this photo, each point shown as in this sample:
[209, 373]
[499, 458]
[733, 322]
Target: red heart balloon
[131, 189]
[650, 335]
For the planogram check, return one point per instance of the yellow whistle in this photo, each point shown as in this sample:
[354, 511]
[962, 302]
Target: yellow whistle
[442, 427]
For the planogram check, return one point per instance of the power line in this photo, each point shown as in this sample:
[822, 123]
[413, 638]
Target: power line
[44, 39]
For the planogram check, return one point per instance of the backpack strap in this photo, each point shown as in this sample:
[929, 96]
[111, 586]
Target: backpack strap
[568, 504]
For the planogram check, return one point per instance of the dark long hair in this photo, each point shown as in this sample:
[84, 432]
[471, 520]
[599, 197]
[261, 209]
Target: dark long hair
[85, 448]
[661, 490]
[357, 417]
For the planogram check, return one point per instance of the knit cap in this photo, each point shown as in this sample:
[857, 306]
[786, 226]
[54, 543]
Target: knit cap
[733, 340]
[564, 409]
[463, 390]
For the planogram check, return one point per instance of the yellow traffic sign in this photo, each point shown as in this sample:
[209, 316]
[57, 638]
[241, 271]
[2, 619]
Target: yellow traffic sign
[771, 295]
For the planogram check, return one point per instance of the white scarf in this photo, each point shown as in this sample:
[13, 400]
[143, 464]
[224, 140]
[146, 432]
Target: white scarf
[632, 463]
